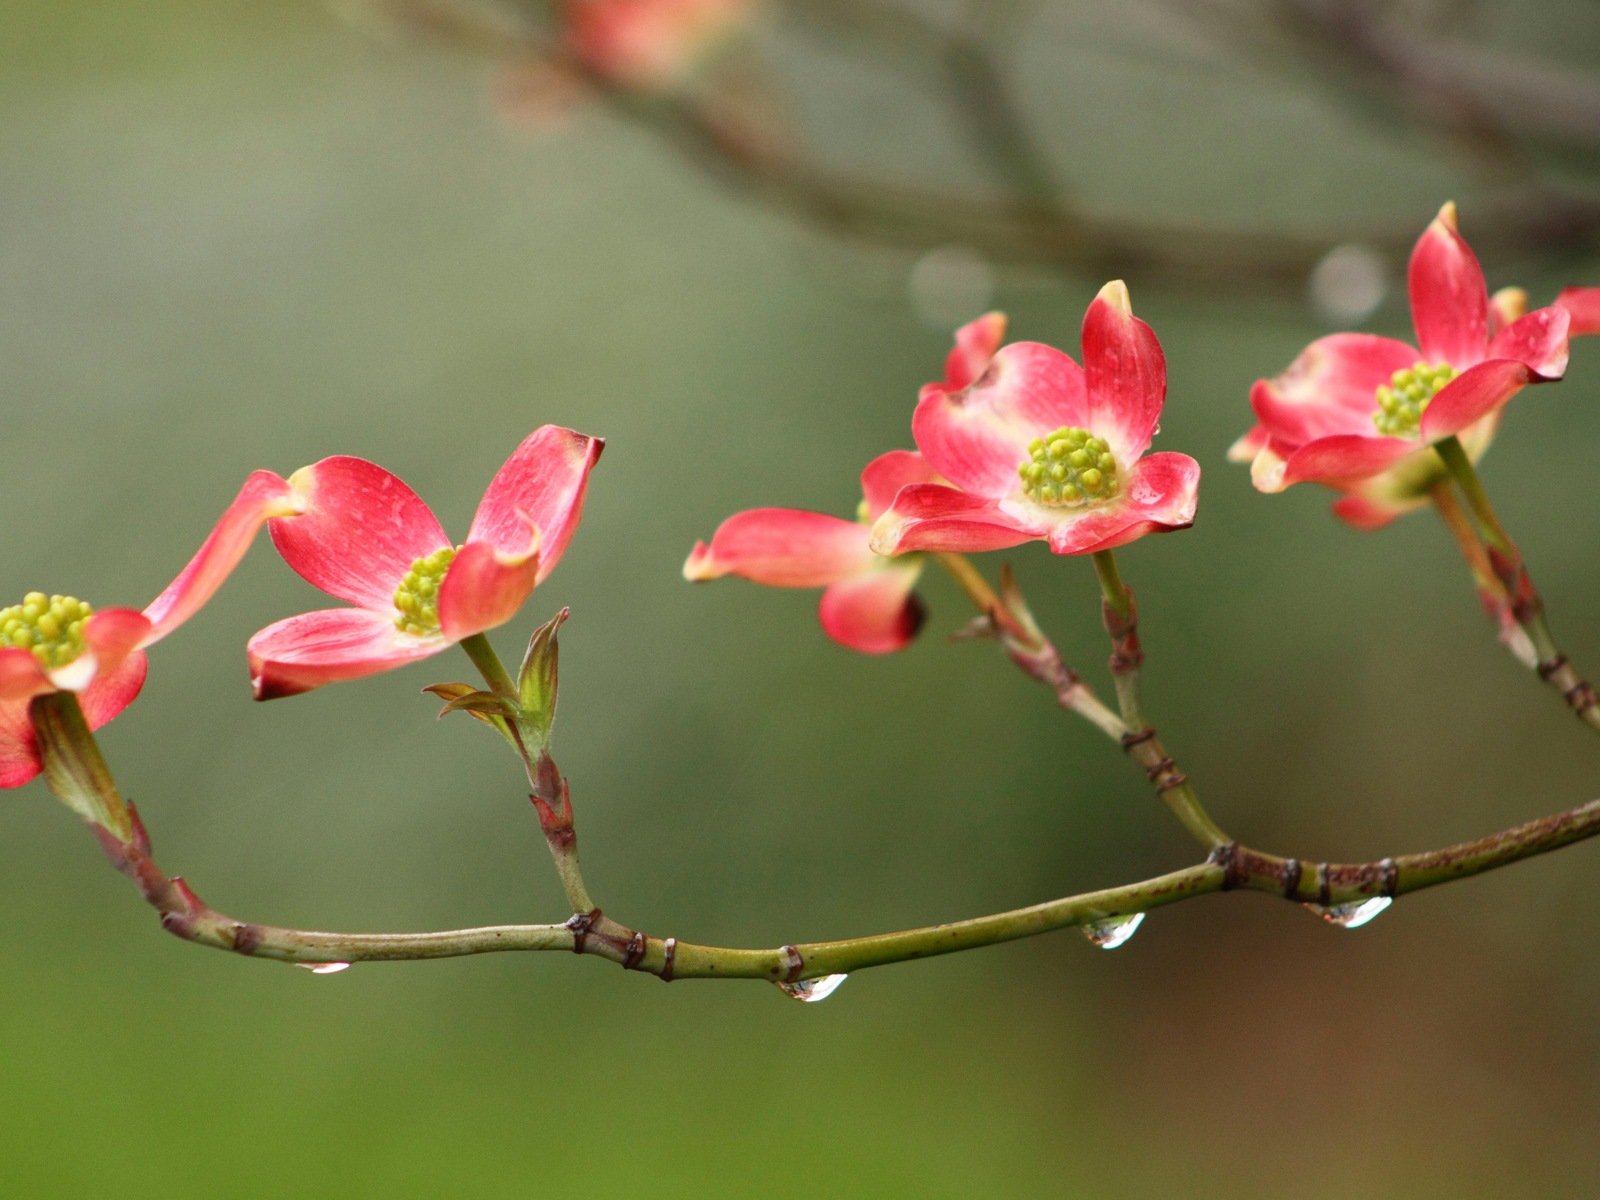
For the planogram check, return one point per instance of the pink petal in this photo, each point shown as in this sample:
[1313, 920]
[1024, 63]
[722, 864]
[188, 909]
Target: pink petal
[263, 495]
[113, 690]
[928, 516]
[783, 547]
[19, 749]
[976, 343]
[1366, 512]
[1331, 388]
[1449, 300]
[306, 651]
[110, 693]
[21, 676]
[484, 587]
[1583, 305]
[1538, 339]
[888, 473]
[1344, 458]
[977, 438]
[874, 612]
[1125, 371]
[1249, 445]
[544, 482]
[1473, 394]
[114, 633]
[1161, 494]
[361, 530]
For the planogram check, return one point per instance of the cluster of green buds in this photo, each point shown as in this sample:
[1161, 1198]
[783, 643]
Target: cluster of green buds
[1403, 400]
[417, 597]
[1070, 467]
[49, 626]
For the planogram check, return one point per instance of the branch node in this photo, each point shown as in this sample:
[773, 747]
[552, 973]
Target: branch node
[636, 949]
[243, 938]
[1548, 669]
[1391, 877]
[1226, 856]
[667, 968]
[1324, 886]
[795, 964]
[581, 924]
[1130, 740]
[1291, 878]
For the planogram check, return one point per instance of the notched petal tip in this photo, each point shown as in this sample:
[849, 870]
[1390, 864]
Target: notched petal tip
[1267, 471]
[700, 566]
[1116, 295]
[1506, 307]
[1249, 444]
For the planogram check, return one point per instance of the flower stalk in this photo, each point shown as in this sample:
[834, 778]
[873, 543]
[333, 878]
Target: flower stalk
[1121, 616]
[529, 733]
[1522, 599]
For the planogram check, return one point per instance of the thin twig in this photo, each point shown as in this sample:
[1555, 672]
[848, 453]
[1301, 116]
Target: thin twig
[1523, 600]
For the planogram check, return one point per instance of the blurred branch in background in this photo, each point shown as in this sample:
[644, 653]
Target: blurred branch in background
[725, 83]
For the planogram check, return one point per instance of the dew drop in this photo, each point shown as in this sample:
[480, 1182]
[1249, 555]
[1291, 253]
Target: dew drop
[1113, 931]
[811, 990]
[325, 968]
[1354, 914]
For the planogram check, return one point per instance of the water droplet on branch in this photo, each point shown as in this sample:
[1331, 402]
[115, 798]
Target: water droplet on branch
[810, 991]
[1113, 931]
[324, 968]
[1354, 914]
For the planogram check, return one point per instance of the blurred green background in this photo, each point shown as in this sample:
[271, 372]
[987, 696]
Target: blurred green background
[244, 235]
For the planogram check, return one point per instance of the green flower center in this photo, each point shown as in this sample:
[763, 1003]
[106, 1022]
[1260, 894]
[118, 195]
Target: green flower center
[417, 597]
[49, 626]
[1403, 400]
[1070, 468]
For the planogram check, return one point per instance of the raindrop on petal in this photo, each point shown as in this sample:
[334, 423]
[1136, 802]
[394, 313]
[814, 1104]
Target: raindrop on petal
[1113, 931]
[1354, 914]
[811, 990]
[324, 968]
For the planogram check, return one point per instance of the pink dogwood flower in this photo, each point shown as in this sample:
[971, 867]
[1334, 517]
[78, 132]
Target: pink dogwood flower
[649, 45]
[1036, 447]
[59, 643]
[867, 601]
[366, 537]
[1359, 413]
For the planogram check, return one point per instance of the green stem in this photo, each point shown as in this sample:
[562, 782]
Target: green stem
[549, 789]
[984, 598]
[1231, 867]
[1522, 599]
[489, 665]
[74, 768]
[1466, 476]
[1026, 644]
[1122, 623]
